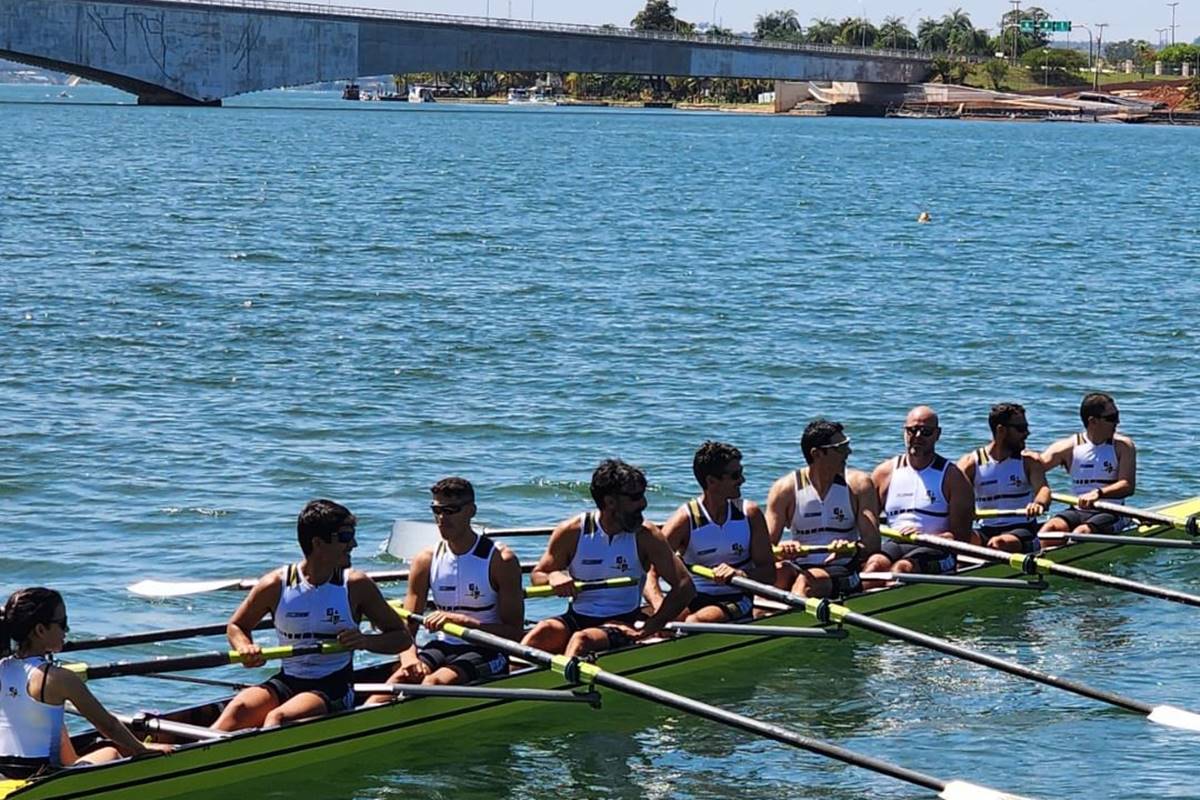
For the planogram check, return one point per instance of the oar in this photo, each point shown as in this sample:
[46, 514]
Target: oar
[1190, 524]
[1032, 564]
[825, 612]
[164, 589]
[991, 513]
[217, 629]
[577, 671]
[409, 537]
[1135, 541]
[216, 658]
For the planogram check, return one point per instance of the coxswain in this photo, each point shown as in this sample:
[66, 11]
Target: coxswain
[472, 582]
[824, 504]
[1007, 477]
[320, 599]
[614, 541]
[923, 492]
[1102, 464]
[721, 530]
[34, 691]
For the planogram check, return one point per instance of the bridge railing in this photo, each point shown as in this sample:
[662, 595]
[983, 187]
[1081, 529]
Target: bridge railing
[317, 9]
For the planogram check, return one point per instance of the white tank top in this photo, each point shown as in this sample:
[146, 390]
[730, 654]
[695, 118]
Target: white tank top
[710, 544]
[818, 521]
[915, 498]
[308, 614]
[598, 557]
[1092, 466]
[1001, 485]
[463, 584]
[29, 729]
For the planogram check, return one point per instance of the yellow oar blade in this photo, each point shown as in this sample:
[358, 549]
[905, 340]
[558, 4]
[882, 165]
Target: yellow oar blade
[7, 787]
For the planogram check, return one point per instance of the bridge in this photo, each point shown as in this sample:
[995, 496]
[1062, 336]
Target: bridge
[200, 51]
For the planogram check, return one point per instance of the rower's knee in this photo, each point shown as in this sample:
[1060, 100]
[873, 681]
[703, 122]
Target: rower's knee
[903, 565]
[877, 562]
[1005, 542]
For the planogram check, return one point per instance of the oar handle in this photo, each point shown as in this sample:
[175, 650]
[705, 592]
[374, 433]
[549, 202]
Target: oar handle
[1191, 524]
[199, 661]
[545, 590]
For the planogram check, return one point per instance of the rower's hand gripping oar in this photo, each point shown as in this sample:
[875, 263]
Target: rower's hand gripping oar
[1033, 564]
[1189, 524]
[217, 658]
[827, 612]
[577, 671]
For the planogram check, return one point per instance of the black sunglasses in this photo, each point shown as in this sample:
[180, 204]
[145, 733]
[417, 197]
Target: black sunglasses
[1114, 417]
[343, 535]
[445, 509]
[920, 430]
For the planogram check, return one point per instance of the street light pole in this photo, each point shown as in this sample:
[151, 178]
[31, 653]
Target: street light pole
[1172, 5]
[1099, 42]
[1016, 25]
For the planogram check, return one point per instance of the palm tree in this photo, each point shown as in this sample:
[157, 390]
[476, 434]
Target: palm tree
[895, 34]
[857, 32]
[822, 31]
[931, 35]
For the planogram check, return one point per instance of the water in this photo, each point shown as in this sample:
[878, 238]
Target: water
[210, 316]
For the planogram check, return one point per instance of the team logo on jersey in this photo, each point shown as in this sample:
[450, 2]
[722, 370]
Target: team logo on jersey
[473, 591]
[929, 494]
[1109, 468]
[332, 615]
[12, 691]
[1016, 480]
[839, 514]
[737, 548]
[621, 564]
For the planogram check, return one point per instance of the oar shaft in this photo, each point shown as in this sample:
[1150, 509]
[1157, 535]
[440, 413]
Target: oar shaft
[218, 658]
[1189, 524]
[166, 635]
[592, 673]
[825, 611]
[1134, 541]
[545, 590]
[1033, 564]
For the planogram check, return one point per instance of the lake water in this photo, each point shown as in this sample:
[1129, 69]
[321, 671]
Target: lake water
[210, 316]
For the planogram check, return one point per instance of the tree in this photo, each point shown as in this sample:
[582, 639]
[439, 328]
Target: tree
[950, 70]
[1116, 52]
[857, 32]
[1025, 41]
[659, 15]
[997, 70]
[717, 32]
[931, 37]
[1179, 53]
[1144, 55]
[1056, 65]
[778, 26]
[895, 34]
[822, 31]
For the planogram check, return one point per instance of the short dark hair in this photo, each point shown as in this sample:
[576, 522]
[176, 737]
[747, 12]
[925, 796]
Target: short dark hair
[818, 433]
[711, 459]
[322, 518]
[25, 609]
[614, 476]
[456, 487]
[1003, 414]
[1093, 404]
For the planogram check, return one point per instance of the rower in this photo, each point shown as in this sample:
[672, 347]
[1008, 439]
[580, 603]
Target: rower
[614, 541]
[1102, 464]
[1007, 477]
[922, 492]
[34, 691]
[825, 504]
[475, 583]
[322, 599]
[721, 530]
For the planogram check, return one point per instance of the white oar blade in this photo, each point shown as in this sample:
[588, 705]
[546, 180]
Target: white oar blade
[961, 790]
[152, 588]
[1175, 718]
[409, 538]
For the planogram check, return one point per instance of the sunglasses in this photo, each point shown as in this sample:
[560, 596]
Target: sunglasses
[343, 536]
[842, 447]
[1114, 417]
[445, 509]
[60, 622]
[920, 430]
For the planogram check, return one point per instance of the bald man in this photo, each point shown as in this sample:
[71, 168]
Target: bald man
[922, 492]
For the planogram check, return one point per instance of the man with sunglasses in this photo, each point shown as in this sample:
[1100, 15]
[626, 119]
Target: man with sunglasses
[1007, 477]
[721, 530]
[614, 541]
[922, 492]
[826, 505]
[320, 599]
[474, 583]
[1102, 464]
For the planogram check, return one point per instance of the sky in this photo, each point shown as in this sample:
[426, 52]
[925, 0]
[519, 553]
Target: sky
[1127, 19]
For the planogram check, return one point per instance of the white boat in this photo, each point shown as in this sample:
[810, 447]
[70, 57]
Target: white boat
[420, 94]
[530, 95]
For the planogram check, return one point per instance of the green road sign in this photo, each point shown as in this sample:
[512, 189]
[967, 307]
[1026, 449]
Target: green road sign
[1046, 26]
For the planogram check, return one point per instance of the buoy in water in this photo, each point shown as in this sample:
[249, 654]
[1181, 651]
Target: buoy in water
[924, 217]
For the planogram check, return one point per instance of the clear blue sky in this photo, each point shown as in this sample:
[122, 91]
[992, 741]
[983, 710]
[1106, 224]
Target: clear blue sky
[1127, 19]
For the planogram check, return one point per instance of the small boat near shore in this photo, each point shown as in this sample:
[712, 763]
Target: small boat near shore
[208, 759]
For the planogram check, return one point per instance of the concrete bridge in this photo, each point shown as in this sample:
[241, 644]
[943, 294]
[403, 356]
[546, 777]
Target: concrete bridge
[200, 51]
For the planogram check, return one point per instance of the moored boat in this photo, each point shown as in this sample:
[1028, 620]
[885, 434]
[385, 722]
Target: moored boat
[226, 759]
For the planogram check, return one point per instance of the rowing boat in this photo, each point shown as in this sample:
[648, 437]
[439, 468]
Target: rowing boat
[207, 764]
